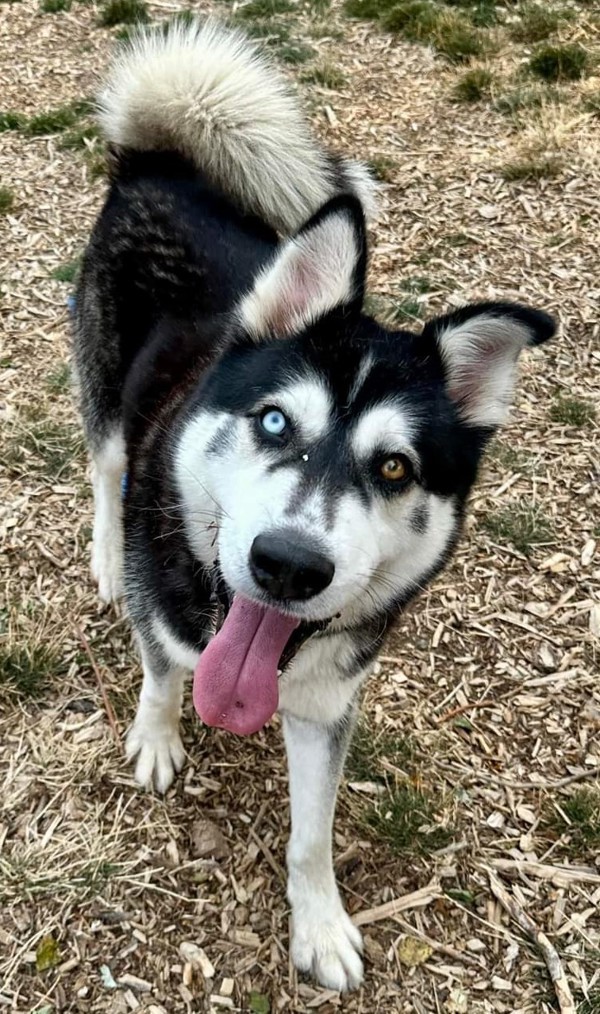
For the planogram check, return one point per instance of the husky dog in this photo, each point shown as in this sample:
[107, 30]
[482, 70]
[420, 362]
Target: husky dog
[294, 472]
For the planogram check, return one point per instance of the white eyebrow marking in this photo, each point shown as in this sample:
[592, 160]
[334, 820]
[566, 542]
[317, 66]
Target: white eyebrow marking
[362, 373]
[308, 404]
[385, 427]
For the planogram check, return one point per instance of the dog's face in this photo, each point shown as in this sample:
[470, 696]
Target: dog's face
[331, 456]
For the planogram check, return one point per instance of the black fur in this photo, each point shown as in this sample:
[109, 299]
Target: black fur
[155, 339]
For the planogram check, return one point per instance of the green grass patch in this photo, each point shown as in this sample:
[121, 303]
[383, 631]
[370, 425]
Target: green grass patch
[368, 10]
[80, 137]
[474, 86]
[327, 75]
[277, 36]
[535, 23]
[407, 820]
[123, 12]
[589, 1004]
[183, 19]
[482, 13]
[326, 31]
[12, 121]
[458, 41]
[66, 272]
[258, 9]
[507, 457]
[97, 166]
[293, 52]
[534, 166]
[54, 121]
[448, 31]
[518, 99]
[591, 103]
[45, 448]
[271, 33]
[568, 62]
[417, 285]
[391, 311]
[569, 411]
[459, 239]
[7, 200]
[28, 669]
[383, 168]
[367, 749]
[59, 380]
[405, 816]
[417, 20]
[581, 821]
[524, 526]
[55, 6]
[319, 7]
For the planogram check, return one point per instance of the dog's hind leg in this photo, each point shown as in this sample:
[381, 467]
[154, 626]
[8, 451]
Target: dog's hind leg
[109, 464]
[154, 737]
[324, 940]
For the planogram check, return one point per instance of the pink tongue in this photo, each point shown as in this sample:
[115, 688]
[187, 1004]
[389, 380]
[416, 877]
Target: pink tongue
[235, 681]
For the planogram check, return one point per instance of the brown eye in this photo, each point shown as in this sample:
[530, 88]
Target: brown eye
[395, 469]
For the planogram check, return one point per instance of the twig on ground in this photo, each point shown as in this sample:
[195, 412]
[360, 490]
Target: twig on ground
[418, 899]
[465, 707]
[266, 851]
[561, 876]
[112, 721]
[548, 951]
[510, 783]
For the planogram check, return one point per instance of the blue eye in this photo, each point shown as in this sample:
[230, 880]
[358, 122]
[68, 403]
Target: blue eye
[274, 422]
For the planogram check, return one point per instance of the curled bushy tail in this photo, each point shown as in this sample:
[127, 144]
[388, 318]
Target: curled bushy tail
[206, 91]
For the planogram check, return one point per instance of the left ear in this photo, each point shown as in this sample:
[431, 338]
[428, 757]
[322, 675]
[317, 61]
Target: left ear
[479, 346]
[321, 268]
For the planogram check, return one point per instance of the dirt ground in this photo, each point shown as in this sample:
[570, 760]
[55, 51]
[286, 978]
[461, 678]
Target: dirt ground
[485, 708]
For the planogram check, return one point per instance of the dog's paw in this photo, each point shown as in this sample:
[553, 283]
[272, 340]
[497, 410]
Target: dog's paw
[328, 945]
[159, 751]
[107, 568]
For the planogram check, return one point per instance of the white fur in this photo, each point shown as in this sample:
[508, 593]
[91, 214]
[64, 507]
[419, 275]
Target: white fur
[307, 403]
[480, 357]
[109, 463]
[363, 372]
[315, 686]
[154, 737]
[310, 275]
[376, 551]
[208, 92]
[385, 428]
[203, 512]
[324, 940]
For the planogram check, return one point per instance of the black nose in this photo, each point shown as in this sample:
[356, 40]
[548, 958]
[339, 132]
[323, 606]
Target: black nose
[287, 568]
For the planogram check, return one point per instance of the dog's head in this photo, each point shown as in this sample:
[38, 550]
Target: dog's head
[335, 456]
[332, 456]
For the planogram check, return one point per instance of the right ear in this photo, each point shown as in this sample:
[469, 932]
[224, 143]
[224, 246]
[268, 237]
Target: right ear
[479, 346]
[321, 268]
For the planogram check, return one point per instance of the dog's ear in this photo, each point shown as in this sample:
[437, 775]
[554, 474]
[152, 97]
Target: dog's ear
[479, 346]
[321, 268]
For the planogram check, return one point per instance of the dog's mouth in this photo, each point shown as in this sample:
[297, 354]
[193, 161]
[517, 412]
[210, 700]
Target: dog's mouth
[236, 681]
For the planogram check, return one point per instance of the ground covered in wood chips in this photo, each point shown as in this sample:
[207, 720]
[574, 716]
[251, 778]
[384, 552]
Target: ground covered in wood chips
[480, 746]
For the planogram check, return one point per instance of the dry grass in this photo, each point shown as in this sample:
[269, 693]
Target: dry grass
[487, 697]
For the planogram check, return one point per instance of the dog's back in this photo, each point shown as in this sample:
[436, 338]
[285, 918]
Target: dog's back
[208, 94]
[209, 156]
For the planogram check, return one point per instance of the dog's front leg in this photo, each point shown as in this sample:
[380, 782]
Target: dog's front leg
[324, 939]
[154, 737]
